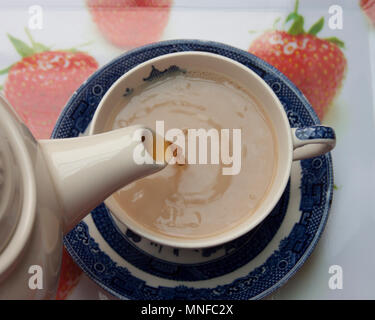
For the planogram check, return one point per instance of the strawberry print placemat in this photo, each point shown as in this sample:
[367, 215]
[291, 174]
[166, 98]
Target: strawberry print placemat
[47, 49]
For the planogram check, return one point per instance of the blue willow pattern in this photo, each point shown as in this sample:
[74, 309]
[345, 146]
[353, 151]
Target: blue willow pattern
[316, 195]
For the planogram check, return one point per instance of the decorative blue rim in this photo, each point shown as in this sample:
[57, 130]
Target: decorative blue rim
[315, 132]
[316, 183]
[234, 254]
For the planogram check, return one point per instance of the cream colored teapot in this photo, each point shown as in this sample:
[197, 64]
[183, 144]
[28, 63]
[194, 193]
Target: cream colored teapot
[48, 186]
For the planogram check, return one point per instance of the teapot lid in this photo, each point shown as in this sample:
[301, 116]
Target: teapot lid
[17, 194]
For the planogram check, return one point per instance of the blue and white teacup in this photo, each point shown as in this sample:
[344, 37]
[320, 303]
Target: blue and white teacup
[293, 143]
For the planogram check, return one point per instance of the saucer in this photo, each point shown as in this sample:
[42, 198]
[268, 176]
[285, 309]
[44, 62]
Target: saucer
[250, 267]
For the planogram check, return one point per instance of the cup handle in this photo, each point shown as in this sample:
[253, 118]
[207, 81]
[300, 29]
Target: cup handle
[312, 141]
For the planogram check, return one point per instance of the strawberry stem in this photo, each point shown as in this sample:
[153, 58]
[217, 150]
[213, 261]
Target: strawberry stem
[298, 21]
[297, 26]
[275, 23]
[37, 47]
[296, 5]
[30, 37]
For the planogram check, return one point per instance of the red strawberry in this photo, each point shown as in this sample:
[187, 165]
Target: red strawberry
[69, 276]
[317, 66]
[130, 23]
[39, 85]
[368, 6]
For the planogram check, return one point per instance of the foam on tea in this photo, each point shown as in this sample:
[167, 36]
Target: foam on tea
[197, 200]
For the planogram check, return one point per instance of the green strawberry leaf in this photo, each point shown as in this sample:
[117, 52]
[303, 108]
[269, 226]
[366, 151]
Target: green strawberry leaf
[1, 87]
[292, 16]
[316, 27]
[37, 46]
[75, 49]
[275, 23]
[297, 27]
[21, 47]
[336, 41]
[5, 70]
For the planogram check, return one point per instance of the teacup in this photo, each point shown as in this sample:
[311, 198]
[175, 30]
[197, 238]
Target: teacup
[293, 143]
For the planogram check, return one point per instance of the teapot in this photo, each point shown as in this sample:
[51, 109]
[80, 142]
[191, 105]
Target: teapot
[46, 188]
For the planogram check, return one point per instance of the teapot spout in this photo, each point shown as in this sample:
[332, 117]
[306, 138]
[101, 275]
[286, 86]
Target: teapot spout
[87, 170]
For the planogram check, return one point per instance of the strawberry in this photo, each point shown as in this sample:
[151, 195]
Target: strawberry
[130, 23]
[39, 85]
[368, 6]
[70, 275]
[316, 66]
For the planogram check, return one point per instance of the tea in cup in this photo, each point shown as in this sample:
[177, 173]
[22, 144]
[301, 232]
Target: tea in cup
[235, 148]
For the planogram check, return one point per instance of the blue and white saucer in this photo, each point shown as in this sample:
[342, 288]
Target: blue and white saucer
[250, 267]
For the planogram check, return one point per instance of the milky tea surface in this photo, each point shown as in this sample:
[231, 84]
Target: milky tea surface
[197, 200]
